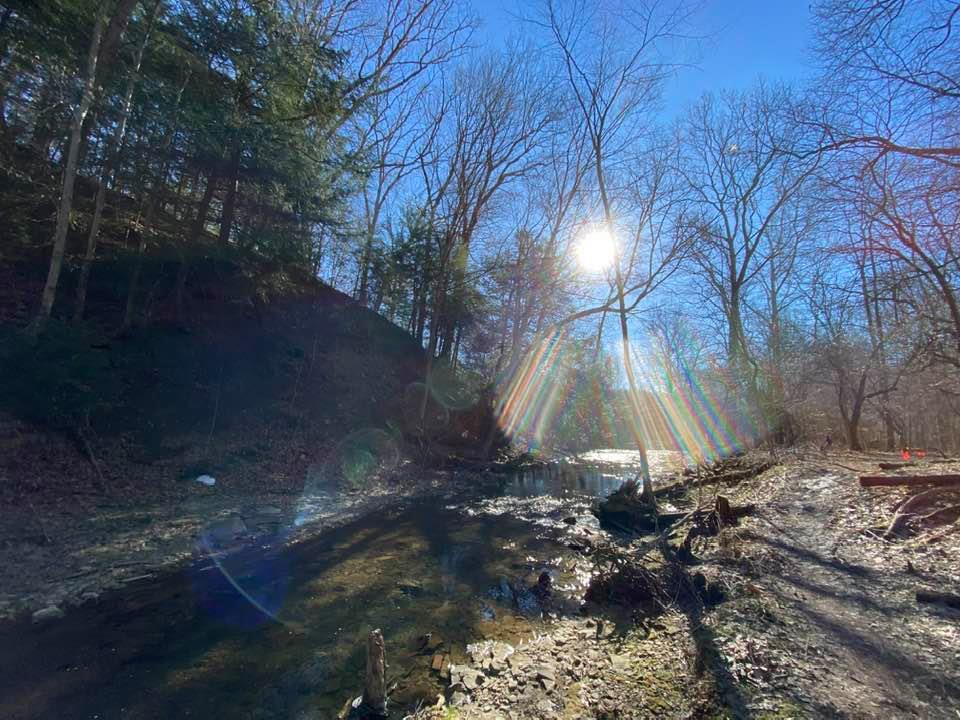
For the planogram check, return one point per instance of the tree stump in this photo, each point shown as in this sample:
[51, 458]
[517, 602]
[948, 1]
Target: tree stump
[374, 702]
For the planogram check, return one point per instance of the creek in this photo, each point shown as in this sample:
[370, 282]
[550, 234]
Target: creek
[277, 631]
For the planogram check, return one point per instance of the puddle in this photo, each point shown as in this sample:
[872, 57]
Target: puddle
[269, 633]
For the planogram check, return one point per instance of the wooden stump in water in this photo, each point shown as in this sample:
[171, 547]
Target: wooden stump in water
[375, 685]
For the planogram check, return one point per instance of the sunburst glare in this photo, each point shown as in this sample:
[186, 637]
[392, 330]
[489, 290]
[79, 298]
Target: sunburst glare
[596, 249]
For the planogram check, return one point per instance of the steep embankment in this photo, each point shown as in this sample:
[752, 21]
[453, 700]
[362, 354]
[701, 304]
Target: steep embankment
[268, 370]
[277, 382]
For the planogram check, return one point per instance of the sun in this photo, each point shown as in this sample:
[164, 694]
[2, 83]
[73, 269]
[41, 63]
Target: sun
[596, 250]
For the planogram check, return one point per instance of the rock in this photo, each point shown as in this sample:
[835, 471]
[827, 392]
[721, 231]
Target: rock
[620, 663]
[546, 707]
[471, 679]
[547, 672]
[226, 531]
[433, 641]
[604, 629]
[517, 661]
[206, 480]
[51, 612]
[459, 699]
[526, 602]
[410, 588]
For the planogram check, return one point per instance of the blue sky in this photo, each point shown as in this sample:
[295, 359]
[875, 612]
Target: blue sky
[744, 39]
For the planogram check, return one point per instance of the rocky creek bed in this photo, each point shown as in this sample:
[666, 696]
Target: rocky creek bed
[478, 584]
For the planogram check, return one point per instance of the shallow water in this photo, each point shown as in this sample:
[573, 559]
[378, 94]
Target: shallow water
[279, 633]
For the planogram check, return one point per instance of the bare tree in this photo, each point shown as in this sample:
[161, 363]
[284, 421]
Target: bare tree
[843, 356]
[613, 66]
[490, 135]
[739, 164]
[391, 137]
[892, 77]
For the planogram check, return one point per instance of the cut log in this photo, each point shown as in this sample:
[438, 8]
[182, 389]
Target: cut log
[909, 480]
[928, 596]
[895, 465]
[375, 686]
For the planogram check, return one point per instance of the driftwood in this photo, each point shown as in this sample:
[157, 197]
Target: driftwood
[909, 480]
[928, 596]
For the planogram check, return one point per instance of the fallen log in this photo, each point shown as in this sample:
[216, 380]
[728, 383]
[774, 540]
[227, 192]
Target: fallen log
[929, 596]
[909, 480]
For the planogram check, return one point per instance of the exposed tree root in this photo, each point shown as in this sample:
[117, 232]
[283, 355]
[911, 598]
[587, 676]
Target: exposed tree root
[912, 510]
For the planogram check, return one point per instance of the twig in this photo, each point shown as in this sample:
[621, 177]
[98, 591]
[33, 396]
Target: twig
[102, 481]
[216, 407]
[43, 529]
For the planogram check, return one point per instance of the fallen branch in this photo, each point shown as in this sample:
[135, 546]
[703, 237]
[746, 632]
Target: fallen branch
[734, 476]
[895, 465]
[909, 480]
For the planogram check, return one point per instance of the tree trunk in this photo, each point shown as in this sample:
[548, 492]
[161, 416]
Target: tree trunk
[646, 494]
[107, 174]
[365, 257]
[69, 179]
[230, 201]
[195, 231]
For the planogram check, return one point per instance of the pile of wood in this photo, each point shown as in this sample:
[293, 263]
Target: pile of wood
[730, 470]
[626, 511]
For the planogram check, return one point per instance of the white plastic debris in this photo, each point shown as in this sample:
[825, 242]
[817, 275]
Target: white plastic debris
[207, 480]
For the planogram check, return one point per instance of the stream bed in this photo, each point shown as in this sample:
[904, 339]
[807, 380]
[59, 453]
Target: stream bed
[274, 631]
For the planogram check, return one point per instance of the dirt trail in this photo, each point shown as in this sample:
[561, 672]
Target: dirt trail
[866, 649]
